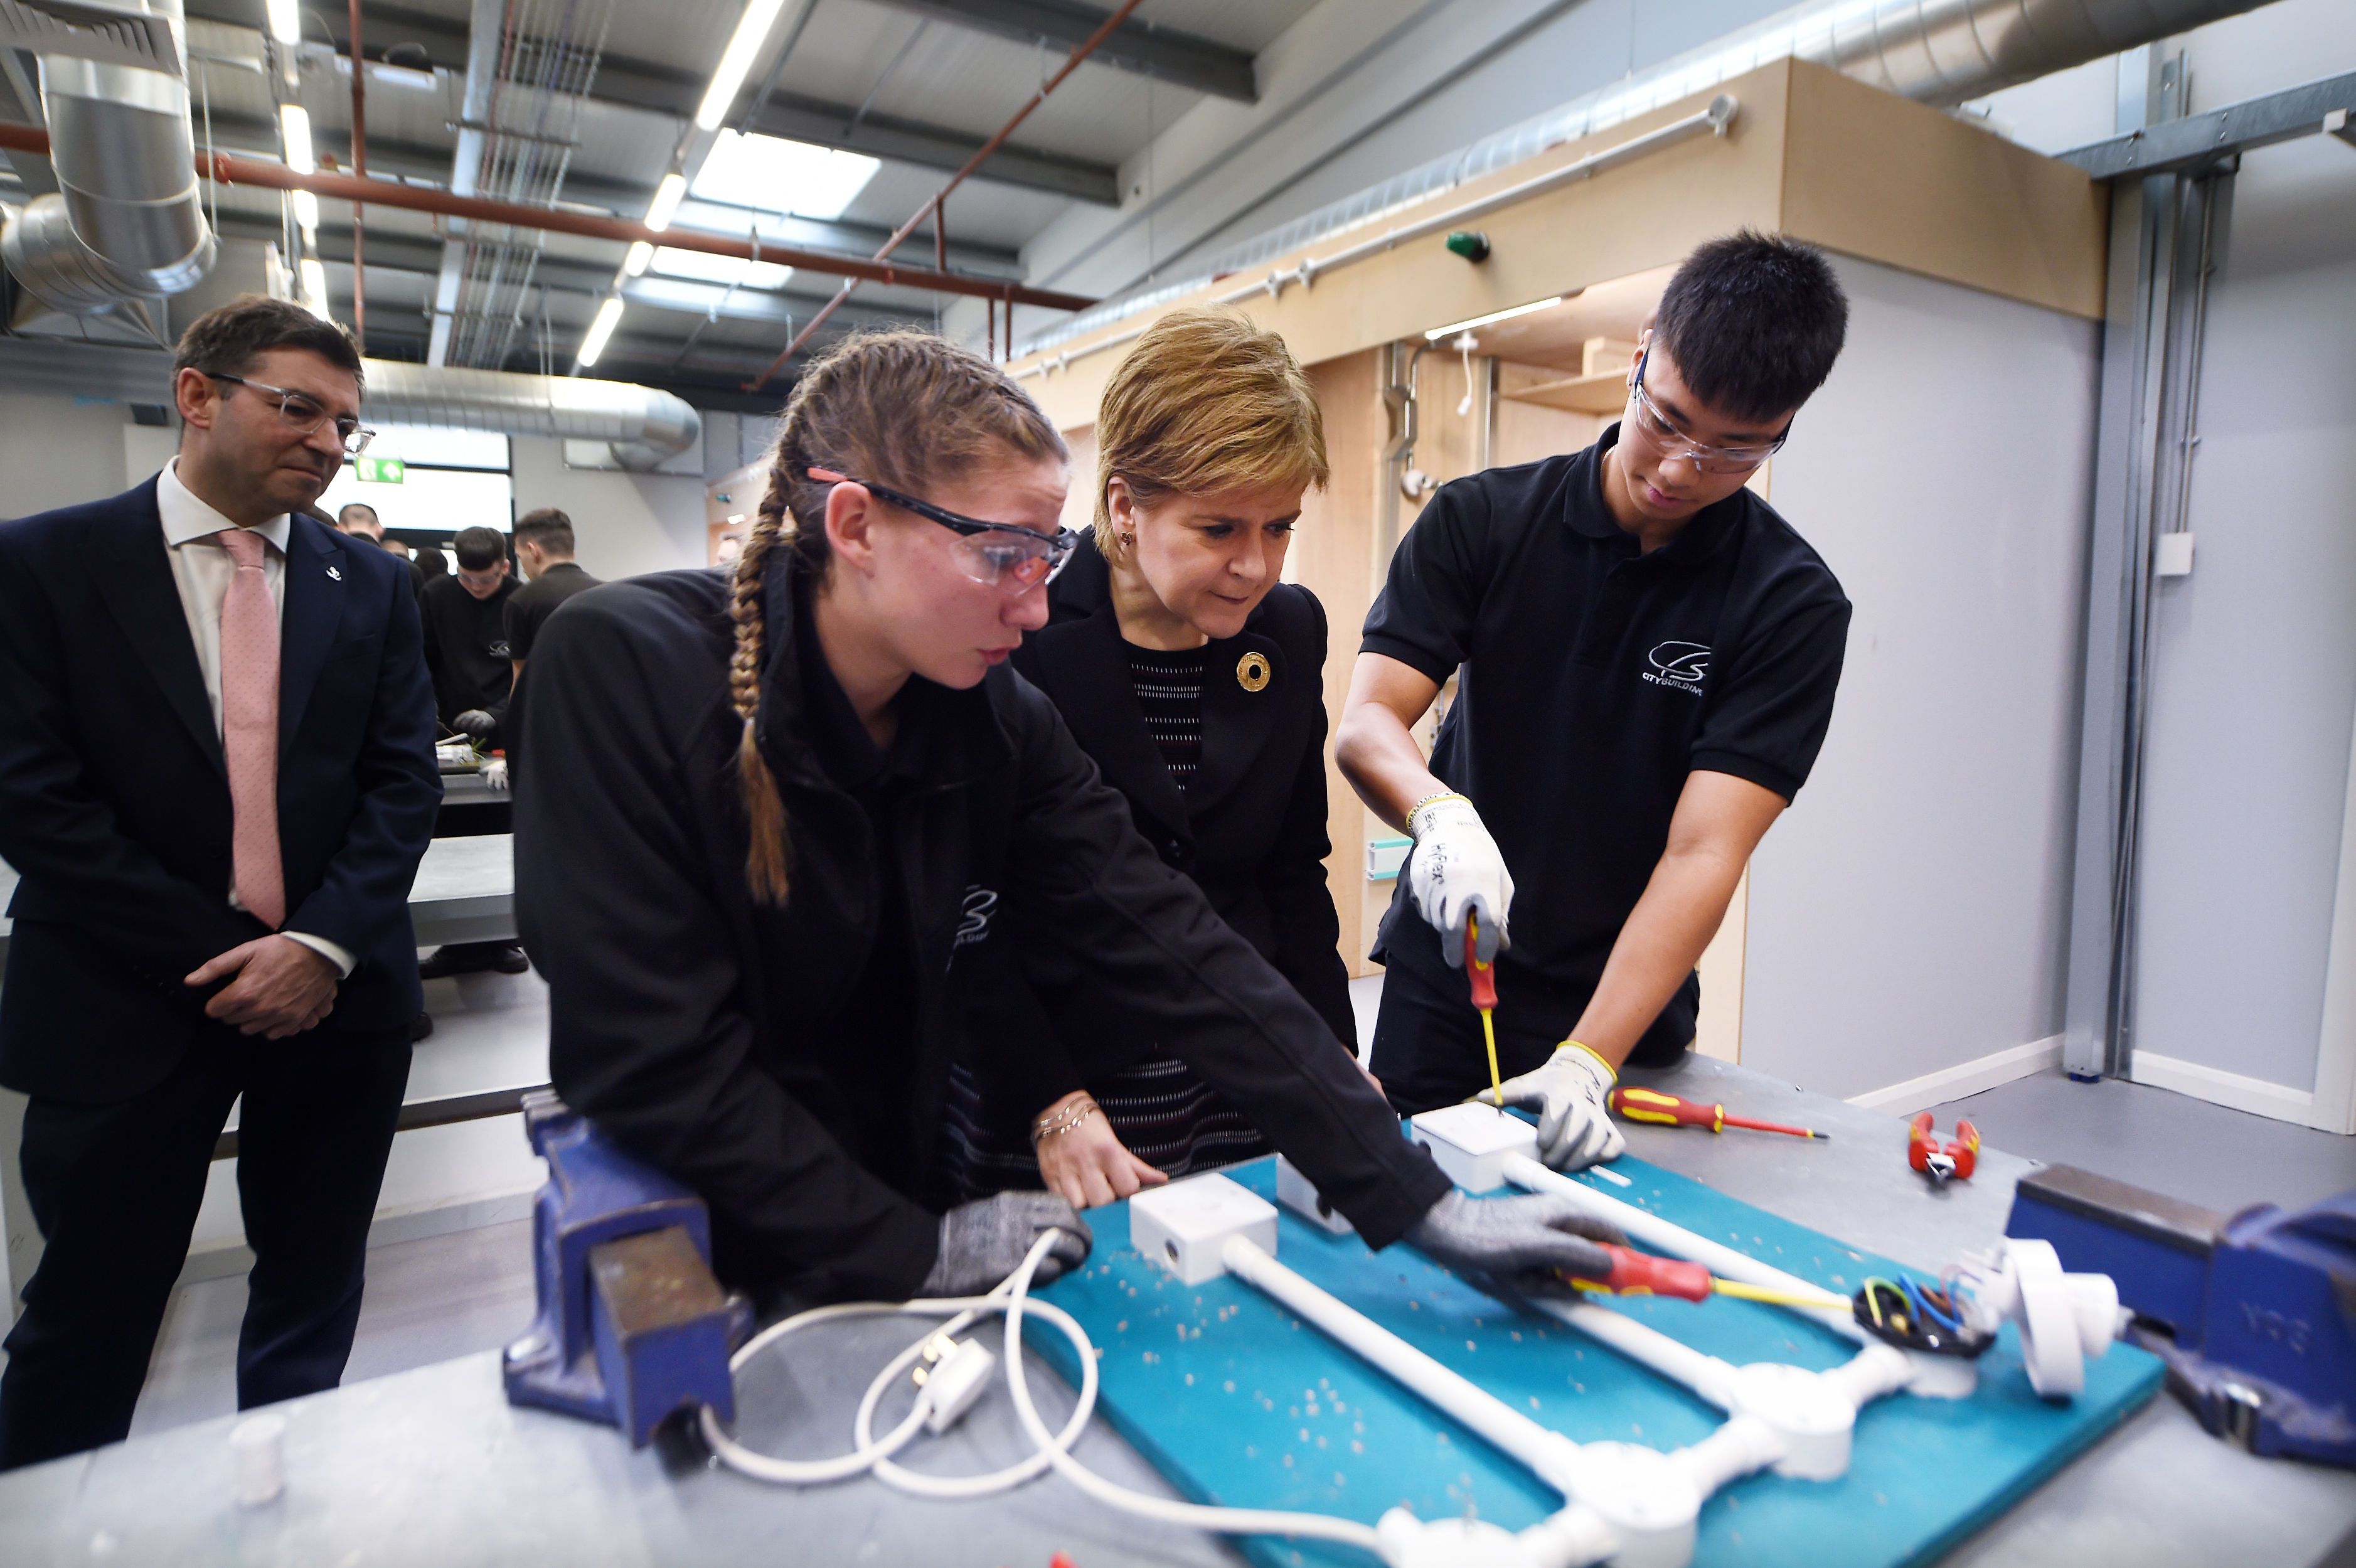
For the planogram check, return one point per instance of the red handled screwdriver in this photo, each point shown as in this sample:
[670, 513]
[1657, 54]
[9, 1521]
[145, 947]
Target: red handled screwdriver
[1641, 1274]
[1677, 1110]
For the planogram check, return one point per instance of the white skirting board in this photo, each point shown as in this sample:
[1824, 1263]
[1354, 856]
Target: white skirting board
[1965, 1078]
[2230, 1090]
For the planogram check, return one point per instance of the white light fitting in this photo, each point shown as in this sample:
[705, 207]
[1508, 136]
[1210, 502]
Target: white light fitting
[1436, 333]
[771, 174]
[313, 274]
[736, 61]
[287, 21]
[635, 263]
[667, 196]
[609, 316]
[306, 211]
[294, 137]
[672, 262]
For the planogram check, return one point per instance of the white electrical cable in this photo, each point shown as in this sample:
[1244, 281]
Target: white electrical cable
[874, 1455]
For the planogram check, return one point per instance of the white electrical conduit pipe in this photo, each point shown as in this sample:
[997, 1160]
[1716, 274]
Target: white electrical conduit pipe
[1935, 1377]
[1716, 119]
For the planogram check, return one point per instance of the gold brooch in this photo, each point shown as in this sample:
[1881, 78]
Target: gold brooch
[1252, 671]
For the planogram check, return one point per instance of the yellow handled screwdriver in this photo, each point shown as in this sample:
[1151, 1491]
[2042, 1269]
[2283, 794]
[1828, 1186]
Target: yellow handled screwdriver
[1484, 996]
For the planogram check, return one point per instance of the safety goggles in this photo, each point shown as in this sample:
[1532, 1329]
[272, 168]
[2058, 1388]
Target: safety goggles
[1671, 443]
[302, 413]
[997, 555]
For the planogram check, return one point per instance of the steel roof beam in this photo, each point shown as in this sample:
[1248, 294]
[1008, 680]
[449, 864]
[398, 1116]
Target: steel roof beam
[628, 84]
[2198, 142]
[1183, 60]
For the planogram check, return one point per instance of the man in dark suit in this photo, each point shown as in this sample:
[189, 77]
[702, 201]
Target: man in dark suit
[216, 779]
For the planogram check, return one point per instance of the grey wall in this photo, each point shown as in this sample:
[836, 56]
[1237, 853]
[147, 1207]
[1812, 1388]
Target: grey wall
[56, 451]
[2254, 653]
[1908, 914]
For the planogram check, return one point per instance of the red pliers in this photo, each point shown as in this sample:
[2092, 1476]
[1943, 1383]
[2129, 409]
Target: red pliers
[1951, 1162]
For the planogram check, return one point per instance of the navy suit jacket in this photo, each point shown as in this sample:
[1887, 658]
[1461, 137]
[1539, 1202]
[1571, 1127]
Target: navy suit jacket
[114, 804]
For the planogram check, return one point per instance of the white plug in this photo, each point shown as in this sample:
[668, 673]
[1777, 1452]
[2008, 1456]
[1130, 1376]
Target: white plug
[951, 1387]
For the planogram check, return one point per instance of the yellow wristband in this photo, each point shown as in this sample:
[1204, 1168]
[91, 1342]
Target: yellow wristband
[1610, 1071]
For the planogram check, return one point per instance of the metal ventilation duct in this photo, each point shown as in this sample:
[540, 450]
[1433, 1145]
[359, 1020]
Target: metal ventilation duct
[643, 426]
[1934, 51]
[127, 221]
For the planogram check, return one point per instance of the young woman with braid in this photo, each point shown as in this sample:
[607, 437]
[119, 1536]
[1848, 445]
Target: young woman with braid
[782, 833]
[1192, 677]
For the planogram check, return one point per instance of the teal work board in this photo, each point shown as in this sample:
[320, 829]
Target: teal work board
[1237, 1401]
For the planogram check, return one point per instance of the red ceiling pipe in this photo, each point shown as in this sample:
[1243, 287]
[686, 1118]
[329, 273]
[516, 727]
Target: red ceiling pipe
[935, 209]
[232, 170]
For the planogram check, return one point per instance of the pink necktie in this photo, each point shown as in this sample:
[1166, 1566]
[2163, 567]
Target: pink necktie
[249, 680]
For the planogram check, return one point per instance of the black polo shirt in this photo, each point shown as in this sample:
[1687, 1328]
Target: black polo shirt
[530, 606]
[1594, 679]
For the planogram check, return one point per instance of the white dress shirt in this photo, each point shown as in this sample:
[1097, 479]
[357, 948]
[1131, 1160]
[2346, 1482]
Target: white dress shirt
[202, 569]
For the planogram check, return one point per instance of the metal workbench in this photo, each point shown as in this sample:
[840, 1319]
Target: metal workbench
[434, 1466]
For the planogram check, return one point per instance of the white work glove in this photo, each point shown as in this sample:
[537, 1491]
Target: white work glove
[1516, 1246]
[1455, 871]
[495, 773]
[475, 722]
[983, 1242]
[1571, 1093]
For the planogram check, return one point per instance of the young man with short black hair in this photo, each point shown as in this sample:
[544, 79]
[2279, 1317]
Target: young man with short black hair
[1646, 657]
[544, 548]
[465, 635]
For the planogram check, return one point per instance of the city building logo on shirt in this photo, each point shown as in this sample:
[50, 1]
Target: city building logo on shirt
[981, 903]
[1679, 664]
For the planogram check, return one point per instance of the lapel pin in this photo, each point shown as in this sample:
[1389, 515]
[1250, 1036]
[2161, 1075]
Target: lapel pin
[339, 577]
[1252, 671]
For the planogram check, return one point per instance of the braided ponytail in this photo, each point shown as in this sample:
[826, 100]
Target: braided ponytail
[905, 409]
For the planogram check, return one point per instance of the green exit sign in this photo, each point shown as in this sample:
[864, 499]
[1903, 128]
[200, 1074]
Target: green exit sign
[380, 470]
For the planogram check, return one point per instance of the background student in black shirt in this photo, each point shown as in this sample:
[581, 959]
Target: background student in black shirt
[1194, 678]
[465, 635]
[543, 544]
[1646, 655]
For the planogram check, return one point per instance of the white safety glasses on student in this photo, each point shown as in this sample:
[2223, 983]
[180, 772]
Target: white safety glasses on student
[997, 555]
[1671, 443]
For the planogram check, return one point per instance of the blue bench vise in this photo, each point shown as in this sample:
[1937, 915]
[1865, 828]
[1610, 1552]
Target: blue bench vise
[632, 1326]
[2255, 1313]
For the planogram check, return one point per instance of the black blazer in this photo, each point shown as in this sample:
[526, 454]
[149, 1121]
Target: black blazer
[1251, 831]
[114, 803]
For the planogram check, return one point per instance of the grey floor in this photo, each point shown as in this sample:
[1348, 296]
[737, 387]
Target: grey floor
[444, 1297]
[2169, 1143]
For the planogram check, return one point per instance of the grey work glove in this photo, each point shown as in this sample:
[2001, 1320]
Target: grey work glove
[475, 722]
[982, 1243]
[1516, 1246]
[1572, 1095]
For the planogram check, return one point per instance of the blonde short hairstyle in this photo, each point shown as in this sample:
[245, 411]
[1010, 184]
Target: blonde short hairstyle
[1206, 403]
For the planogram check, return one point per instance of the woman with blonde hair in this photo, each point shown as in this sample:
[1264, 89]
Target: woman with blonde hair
[1193, 676]
[784, 826]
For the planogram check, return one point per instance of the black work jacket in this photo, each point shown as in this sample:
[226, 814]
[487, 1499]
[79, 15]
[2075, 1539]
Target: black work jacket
[679, 1014]
[1251, 831]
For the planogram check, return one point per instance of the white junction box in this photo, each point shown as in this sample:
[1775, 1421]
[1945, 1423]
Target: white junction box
[1470, 1142]
[1299, 1193]
[1183, 1226]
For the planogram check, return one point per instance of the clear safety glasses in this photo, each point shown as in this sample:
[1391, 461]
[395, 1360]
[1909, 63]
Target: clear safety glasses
[1671, 442]
[301, 412]
[998, 554]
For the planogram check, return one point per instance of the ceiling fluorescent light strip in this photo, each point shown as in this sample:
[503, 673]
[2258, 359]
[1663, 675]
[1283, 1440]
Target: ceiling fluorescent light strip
[752, 32]
[1436, 333]
[667, 196]
[295, 135]
[609, 316]
[285, 21]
